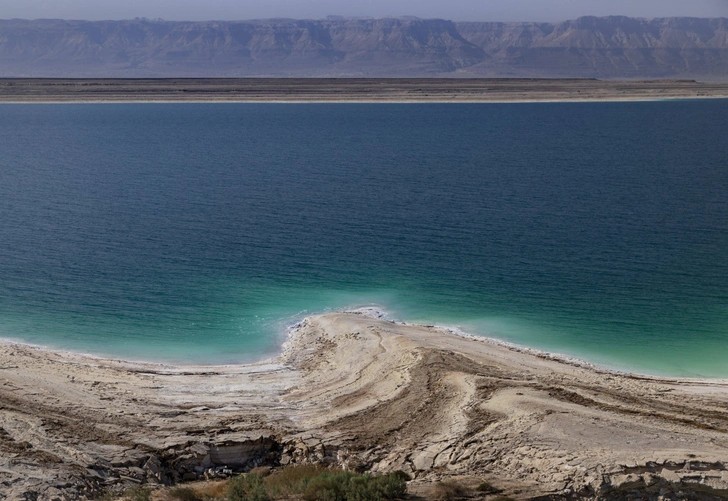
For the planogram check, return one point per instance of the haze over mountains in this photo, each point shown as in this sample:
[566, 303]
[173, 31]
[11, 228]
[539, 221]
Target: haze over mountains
[609, 47]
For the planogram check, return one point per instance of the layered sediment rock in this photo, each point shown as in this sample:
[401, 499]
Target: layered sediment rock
[365, 394]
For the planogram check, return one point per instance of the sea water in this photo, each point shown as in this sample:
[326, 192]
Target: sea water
[196, 233]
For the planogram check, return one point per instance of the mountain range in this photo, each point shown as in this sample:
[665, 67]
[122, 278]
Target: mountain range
[588, 47]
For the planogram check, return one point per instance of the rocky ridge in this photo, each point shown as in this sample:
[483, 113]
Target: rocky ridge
[588, 47]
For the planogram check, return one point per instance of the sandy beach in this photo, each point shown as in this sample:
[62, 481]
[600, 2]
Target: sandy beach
[19, 90]
[364, 393]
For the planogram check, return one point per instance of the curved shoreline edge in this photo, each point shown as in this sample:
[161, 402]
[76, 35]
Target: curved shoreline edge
[376, 313]
[365, 393]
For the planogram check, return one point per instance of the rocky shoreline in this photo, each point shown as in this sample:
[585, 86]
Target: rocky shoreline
[362, 393]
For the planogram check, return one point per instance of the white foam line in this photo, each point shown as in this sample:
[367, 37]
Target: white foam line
[543, 354]
[375, 312]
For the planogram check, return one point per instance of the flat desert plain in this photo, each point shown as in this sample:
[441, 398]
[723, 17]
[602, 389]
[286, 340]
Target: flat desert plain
[351, 90]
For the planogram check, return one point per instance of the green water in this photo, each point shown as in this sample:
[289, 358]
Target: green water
[199, 232]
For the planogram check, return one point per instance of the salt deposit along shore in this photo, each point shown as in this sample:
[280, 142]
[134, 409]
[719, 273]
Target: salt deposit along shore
[363, 393]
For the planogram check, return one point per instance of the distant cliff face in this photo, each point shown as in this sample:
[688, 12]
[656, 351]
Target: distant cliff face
[612, 47]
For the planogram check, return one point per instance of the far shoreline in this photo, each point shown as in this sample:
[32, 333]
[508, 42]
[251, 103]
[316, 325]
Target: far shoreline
[413, 101]
[350, 90]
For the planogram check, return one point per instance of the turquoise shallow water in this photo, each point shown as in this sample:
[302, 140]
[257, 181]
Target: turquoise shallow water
[198, 232]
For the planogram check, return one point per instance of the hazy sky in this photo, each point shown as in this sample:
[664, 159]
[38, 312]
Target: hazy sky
[460, 10]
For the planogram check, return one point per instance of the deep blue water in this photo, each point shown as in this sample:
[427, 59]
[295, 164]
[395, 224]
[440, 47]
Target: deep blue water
[197, 232]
